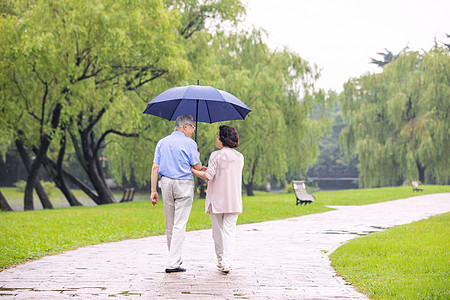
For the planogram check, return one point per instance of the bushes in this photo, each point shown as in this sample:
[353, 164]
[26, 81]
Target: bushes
[20, 185]
[49, 187]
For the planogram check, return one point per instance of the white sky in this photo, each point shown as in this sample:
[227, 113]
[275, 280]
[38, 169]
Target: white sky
[340, 36]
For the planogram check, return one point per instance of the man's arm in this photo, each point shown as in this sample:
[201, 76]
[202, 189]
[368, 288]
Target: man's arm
[154, 180]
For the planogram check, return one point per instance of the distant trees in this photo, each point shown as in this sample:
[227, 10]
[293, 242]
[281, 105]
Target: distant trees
[399, 119]
[388, 57]
[333, 161]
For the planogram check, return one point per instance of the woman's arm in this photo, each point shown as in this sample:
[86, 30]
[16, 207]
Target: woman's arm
[199, 174]
[199, 167]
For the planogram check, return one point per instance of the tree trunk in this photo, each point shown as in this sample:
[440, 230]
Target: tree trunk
[4, 204]
[57, 174]
[60, 182]
[81, 185]
[249, 185]
[37, 185]
[58, 178]
[88, 157]
[87, 149]
[35, 166]
[28, 197]
[249, 188]
[104, 193]
[421, 170]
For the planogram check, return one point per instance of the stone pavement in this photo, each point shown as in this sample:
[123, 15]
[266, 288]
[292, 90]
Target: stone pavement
[285, 259]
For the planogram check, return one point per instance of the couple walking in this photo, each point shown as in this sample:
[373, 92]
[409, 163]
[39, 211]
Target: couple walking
[176, 160]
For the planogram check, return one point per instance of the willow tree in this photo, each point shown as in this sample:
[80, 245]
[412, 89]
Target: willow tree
[71, 61]
[280, 133]
[25, 115]
[399, 119]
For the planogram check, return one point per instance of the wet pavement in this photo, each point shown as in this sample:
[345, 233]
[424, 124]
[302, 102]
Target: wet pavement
[285, 259]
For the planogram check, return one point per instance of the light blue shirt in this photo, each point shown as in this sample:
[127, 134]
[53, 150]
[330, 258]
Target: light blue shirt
[175, 154]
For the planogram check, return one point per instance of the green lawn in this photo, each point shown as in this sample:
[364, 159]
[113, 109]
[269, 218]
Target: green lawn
[404, 262]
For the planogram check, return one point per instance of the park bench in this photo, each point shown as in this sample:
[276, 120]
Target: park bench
[301, 194]
[128, 195]
[415, 186]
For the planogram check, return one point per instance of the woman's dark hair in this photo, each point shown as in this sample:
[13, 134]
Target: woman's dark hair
[228, 136]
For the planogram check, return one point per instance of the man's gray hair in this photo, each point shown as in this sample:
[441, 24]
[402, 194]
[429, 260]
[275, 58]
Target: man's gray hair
[183, 119]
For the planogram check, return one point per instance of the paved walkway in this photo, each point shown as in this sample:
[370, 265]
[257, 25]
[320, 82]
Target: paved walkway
[283, 259]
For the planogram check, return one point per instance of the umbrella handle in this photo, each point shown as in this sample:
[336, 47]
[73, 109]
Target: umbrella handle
[196, 114]
[196, 120]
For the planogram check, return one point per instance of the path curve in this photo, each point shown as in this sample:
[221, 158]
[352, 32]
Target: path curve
[282, 259]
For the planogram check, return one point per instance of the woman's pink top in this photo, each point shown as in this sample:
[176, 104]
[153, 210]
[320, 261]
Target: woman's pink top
[224, 174]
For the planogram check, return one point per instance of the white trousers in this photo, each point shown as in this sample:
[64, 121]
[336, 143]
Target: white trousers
[224, 234]
[178, 196]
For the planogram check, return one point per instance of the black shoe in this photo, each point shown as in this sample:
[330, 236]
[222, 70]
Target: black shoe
[179, 269]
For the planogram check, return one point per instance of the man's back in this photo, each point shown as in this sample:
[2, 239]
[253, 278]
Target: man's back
[175, 154]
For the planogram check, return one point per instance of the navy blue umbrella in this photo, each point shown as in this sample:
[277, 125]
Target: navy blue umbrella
[204, 103]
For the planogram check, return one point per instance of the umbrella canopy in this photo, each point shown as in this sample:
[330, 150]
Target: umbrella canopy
[204, 103]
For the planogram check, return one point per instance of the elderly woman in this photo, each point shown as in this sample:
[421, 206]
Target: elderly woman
[224, 193]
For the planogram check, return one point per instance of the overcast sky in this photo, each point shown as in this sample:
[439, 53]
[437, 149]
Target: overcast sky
[340, 36]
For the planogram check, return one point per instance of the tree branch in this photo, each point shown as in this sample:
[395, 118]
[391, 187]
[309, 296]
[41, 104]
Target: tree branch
[24, 97]
[156, 73]
[102, 138]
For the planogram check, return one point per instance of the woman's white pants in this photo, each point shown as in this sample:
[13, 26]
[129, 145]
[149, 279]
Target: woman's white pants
[224, 233]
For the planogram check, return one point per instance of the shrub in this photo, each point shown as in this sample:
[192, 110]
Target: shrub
[49, 187]
[288, 189]
[20, 185]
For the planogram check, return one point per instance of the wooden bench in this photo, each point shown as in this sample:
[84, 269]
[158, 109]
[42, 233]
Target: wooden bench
[415, 186]
[128, 195]
[301, 194]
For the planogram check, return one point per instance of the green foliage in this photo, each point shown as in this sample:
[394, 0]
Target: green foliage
[399, 119]
[20, 185]
[333, 161]
[196, 15]
[405, 262]
[330, 148]
[49, 187]
[288, 189]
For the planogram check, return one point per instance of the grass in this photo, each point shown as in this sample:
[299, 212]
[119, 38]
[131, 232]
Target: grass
[33, 234]
[404, 262]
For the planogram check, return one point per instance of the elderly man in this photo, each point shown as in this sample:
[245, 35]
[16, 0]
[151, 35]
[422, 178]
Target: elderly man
[174, 156]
